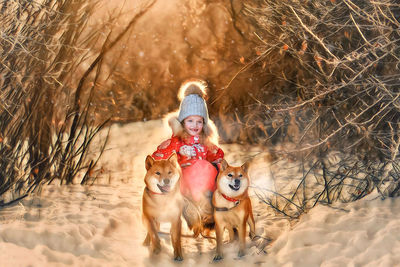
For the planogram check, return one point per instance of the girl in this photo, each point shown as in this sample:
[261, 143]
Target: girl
[192, 134]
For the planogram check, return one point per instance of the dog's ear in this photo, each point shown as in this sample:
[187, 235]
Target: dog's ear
[224, 165]
[173, 158]
[149, 162]
[245, 167]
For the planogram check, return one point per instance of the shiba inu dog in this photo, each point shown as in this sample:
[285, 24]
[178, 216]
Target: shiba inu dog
[232, 206]
[163, 202]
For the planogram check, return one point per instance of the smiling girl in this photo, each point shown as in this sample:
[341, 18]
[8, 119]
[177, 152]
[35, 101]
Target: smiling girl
[192, 132]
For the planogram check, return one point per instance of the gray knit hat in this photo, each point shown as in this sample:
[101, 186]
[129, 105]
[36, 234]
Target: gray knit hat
[193, 102]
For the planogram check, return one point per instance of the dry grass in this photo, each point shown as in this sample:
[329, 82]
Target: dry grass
[50, 62]
[332, 71]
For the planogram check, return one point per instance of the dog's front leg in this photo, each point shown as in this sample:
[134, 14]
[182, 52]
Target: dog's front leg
[152, 227]
[252, 224]
[176, 228]
[219, 232]
[242, 238]
[147, 240]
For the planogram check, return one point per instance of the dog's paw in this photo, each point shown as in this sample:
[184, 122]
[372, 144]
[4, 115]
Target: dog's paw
[156, 249]
[240, 253]
[217, 258]
[178, 258]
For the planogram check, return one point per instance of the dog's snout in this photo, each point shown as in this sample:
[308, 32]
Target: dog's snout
[237, 181]
[166, 181]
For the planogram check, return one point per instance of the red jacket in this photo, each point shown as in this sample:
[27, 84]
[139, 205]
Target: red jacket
[189, 150]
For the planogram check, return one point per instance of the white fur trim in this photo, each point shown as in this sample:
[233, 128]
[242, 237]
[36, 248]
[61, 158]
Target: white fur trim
[209, 129]
[176, 126]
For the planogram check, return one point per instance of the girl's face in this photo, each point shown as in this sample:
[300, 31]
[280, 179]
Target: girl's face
[193, 125]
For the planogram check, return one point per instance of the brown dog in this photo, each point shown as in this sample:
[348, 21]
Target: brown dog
[232, 206]
[163, 202]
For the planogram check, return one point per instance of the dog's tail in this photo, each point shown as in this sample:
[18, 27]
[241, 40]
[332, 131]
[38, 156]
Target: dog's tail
[192, 217]
[198, 217]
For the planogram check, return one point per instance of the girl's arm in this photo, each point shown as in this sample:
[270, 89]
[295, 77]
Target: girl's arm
[165, 149]
[215, 154]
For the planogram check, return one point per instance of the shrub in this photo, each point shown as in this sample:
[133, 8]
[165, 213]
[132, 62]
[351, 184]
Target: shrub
[51, 59]
[332, 71]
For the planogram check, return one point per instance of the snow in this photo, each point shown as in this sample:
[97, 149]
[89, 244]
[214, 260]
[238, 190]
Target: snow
[101, 225]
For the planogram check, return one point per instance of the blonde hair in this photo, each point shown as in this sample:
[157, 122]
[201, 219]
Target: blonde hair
[209, 133]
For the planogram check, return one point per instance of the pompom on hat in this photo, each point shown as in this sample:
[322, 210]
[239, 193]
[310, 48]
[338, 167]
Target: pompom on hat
[193, 93]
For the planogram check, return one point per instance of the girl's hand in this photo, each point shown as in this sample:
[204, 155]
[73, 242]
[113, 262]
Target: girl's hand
[217, 161]
[187, 151]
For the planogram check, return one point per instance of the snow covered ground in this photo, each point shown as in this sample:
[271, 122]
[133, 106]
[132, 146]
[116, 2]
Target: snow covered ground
[101, 225]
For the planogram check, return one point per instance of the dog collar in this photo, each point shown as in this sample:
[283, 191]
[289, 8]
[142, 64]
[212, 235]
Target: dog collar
[236, 201]
[152, 192]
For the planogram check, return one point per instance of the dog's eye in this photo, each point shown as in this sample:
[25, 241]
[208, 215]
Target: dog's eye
[169, 172]
[158, 173]
[240, 175]
[230, 175]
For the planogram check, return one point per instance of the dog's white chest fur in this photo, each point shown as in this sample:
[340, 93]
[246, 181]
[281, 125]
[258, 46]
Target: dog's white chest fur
[232, 216]
[164, 208]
